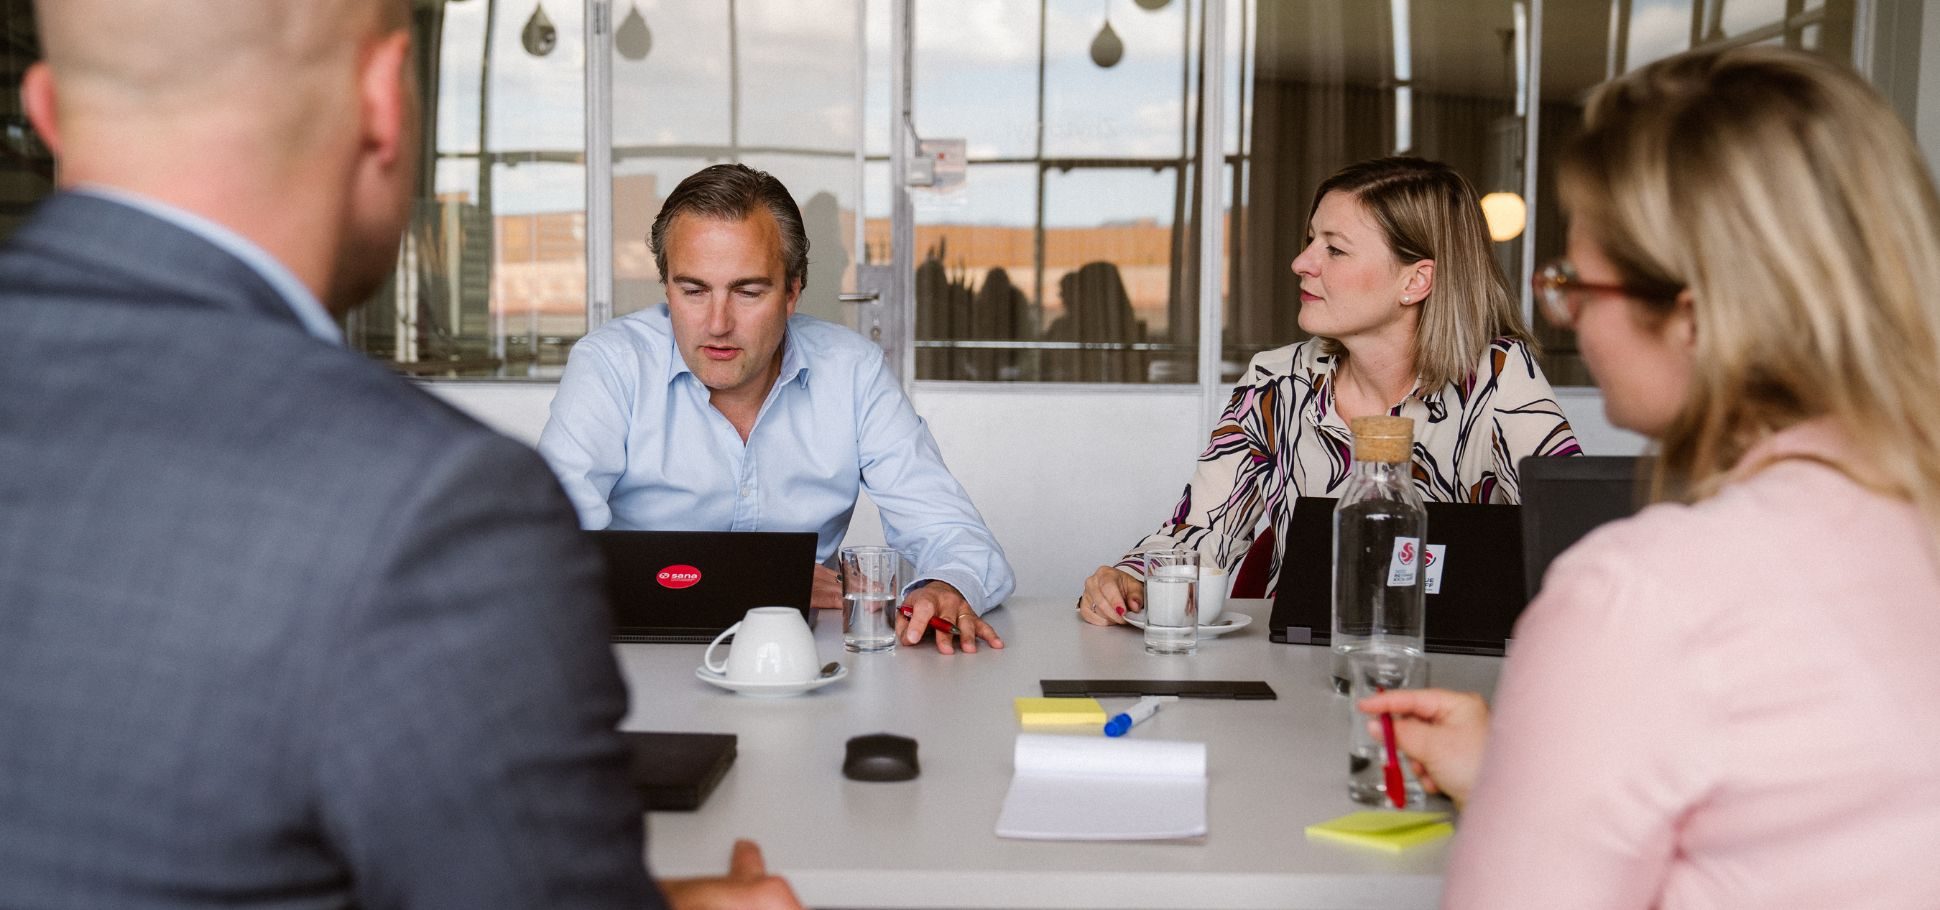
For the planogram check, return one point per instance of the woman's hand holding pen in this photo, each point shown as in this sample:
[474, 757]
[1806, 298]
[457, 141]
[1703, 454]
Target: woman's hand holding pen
[1110, 593]
[1443, 734]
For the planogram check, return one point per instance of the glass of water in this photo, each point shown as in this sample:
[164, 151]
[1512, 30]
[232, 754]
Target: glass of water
[871, 584]
[1373, 773]
[1171, 601]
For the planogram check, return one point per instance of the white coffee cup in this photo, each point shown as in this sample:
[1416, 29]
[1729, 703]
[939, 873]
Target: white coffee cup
[1213, 583]
[771, 645]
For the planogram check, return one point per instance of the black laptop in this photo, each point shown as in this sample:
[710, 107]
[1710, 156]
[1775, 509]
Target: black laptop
[1493, 556]
[1477, 550]
[688, 586]
[1565, 498]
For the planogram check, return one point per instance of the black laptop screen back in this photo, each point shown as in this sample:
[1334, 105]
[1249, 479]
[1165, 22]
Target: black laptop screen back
[1481, 585]
[688, 586]
[1564, 499]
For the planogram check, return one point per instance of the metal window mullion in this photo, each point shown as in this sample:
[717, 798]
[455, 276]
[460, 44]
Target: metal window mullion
[1531, 144]
[901, 307]
[599, 163]
[1212, 221]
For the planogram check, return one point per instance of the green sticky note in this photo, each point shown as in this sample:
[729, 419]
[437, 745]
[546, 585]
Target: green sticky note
[1060, 712]
[1390, 831]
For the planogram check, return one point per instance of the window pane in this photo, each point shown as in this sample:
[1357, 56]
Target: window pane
[1656, 29]
[1573, 33]
[1134, 108]
[1112, 276]
[1078, 264]
[977, 279]
[976, 74]
[492, 277]
[677, 111]
[1740, 16]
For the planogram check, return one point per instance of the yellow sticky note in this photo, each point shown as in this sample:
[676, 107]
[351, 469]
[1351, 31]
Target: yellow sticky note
[1390, 831]
[1060, 712]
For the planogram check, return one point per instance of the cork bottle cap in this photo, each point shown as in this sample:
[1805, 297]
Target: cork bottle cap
[1385, 439]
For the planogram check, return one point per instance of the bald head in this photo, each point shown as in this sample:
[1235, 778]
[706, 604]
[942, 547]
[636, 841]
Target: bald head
[164, 60]
[292, 122]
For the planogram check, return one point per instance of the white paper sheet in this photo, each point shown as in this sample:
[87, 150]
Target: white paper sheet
[1077, 788]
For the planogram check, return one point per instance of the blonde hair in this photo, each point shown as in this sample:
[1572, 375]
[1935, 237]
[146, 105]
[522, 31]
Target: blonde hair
[1781, 193]
[1426, 210]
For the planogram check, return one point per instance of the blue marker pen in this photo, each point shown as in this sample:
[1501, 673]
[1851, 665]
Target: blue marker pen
[1146, 707]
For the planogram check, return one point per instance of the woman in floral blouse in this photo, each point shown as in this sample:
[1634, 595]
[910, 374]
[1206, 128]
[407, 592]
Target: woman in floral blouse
[1410, 317]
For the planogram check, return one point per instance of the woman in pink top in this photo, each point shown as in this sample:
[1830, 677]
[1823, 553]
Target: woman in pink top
[1727, 701]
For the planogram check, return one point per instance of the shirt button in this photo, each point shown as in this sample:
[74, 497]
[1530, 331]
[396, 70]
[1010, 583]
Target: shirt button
[747, 491]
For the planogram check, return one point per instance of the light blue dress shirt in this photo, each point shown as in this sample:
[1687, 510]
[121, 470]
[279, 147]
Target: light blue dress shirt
[637, 445]
[309, 311]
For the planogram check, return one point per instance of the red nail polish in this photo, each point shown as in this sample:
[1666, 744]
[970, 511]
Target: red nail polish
[1121, 611]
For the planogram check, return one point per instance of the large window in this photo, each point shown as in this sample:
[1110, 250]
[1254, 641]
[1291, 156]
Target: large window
[1068, 252]
[1059, 238]
[1586, 44]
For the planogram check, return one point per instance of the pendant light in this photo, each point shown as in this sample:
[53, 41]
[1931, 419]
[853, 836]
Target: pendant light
[1107, 49]
[539, 36]
[633, 39]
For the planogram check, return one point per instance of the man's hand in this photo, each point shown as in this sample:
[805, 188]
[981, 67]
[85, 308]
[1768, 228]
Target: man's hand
[1109, 594]
[1442, 733]
[940, 599]
[747, 885]
[827, 591]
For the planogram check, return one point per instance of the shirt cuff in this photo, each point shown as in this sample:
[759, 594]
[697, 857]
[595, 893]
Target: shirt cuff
[965, 583]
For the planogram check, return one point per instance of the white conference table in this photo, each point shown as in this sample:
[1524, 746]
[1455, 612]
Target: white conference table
[1274, 767]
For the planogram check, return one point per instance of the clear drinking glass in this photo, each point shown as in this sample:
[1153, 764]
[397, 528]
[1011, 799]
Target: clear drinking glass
[1171, 601]
[1371, 771]
[870, 587]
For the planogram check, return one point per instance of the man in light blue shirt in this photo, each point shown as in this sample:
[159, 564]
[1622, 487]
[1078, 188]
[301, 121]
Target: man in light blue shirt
[725, 411]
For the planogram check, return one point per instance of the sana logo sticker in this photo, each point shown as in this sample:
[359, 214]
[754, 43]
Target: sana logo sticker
[1407, 554]
[677, 577]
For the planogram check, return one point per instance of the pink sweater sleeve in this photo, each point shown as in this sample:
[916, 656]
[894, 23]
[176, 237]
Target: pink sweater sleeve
[1596, 747]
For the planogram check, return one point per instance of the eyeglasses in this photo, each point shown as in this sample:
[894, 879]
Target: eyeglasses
[1561, 292]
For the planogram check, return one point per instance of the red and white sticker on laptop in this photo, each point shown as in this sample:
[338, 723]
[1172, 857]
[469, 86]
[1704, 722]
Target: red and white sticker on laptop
[677, 577]
[1405, 565]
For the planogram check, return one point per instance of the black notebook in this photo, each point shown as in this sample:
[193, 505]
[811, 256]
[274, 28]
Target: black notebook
[676, 771]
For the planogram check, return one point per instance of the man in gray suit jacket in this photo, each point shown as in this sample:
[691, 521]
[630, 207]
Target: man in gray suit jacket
[276, 629]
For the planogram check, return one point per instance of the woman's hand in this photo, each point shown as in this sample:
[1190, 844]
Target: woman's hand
[1109, 594]
[1443, 734]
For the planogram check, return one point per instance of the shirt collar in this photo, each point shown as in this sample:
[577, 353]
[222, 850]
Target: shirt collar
[1424, 407]
[309, 311]
[794, 360]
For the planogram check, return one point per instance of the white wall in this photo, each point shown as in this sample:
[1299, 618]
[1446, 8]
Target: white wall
[1066, 477]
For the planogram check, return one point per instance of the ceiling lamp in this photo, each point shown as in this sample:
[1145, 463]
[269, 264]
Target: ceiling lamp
[1107, 49]
[1506, 215]
[539, 37]
[633, 39]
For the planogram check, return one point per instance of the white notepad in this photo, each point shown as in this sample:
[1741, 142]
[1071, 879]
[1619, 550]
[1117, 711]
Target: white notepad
[1080, 788]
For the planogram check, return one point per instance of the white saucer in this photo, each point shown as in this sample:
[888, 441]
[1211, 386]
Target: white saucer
[769, 689]
[1228, 622]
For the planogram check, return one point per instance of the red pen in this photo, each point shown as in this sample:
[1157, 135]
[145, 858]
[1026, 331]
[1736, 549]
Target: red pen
[1397, 786]
[936, 622]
